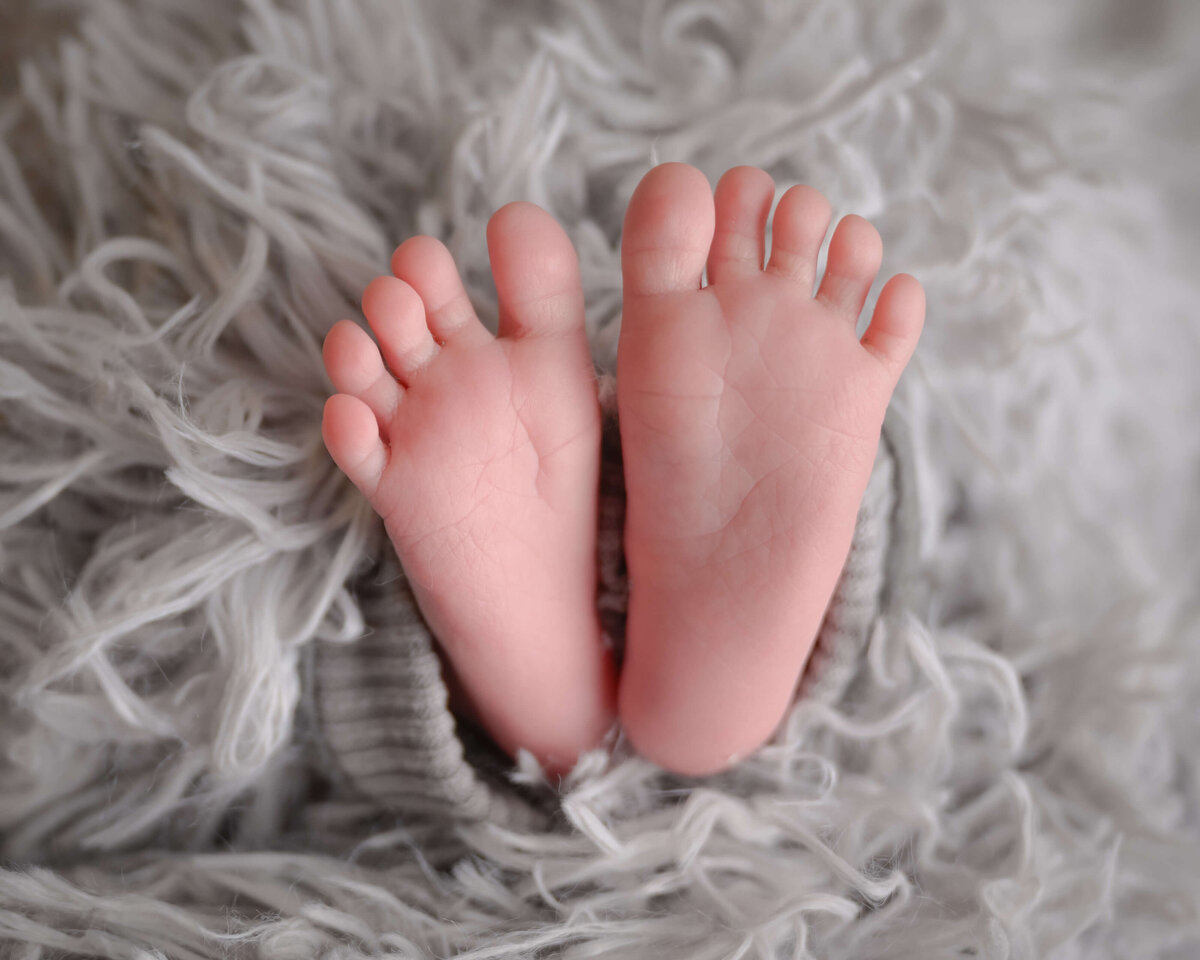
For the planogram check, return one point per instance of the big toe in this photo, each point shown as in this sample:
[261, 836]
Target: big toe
[668, 231]
[536, 272]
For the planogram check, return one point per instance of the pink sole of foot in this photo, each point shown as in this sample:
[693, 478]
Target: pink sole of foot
[750, 415]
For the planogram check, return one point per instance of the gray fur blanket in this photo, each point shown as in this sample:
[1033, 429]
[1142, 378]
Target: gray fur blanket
[192, 193]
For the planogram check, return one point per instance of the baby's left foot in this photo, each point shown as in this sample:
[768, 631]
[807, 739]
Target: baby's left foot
[750, 414]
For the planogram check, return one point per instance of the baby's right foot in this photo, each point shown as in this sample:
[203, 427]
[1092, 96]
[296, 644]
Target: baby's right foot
[750, 414]
[481, 454]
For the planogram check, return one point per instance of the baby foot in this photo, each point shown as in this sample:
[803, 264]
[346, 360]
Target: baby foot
[481, 454]
[750, 414]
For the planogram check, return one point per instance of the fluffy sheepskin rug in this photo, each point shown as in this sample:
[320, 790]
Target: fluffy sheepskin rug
[192, 193]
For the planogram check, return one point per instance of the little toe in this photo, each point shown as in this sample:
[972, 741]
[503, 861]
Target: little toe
[855, 253]
[667, 232]
[427, 266]
[397, 316]
[355, 368]
[536, 273]
[351, 436]
[743, 202]
[797, 232]
[896, 322]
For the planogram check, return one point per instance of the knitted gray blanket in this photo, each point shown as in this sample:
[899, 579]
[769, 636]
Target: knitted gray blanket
[192, 193]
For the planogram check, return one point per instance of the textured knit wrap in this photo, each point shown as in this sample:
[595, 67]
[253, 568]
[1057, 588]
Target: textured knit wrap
[378, 713]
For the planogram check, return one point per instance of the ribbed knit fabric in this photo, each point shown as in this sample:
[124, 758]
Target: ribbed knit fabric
[377, 709]
[877, 575]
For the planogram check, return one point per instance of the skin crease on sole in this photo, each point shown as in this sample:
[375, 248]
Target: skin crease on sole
[749, 414]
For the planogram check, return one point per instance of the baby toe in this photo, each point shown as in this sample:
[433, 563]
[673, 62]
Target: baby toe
[667, 232]
[855, 253]
[896, 322]
[356, 369]
[797, 232]
[397, 316]
[742, 203]
[428, 267]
